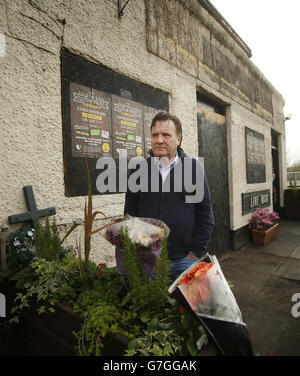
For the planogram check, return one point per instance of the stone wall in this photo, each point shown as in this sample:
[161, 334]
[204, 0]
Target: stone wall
[186, 35]
[175, 46]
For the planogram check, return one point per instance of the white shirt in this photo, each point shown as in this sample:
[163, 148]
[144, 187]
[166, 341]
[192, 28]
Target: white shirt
[164, 170]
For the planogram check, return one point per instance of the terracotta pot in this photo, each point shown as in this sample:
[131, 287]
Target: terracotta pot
[263, 237]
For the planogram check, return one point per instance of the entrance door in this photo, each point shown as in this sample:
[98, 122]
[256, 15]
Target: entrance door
[275, 167]
[213, 147]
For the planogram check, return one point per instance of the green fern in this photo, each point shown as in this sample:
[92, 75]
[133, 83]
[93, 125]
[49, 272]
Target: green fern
[145, 293]
[47, 240]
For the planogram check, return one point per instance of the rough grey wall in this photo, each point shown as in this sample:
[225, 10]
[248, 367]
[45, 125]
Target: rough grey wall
[188, 37]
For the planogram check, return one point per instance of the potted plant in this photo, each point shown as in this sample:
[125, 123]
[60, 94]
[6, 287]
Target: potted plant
[292, 202]
[264, 226]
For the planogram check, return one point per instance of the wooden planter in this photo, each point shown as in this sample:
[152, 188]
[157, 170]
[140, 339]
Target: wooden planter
[48, 333]
[51, 334]
[260, 237]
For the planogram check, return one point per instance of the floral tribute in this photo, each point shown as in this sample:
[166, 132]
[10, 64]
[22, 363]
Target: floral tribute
[146, 234]
[207, 292]
[263, 219]
[22, 244]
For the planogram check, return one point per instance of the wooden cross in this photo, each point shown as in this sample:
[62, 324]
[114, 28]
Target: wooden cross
[33, 212]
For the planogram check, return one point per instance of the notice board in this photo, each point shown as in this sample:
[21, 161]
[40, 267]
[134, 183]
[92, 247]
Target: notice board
[104, 114]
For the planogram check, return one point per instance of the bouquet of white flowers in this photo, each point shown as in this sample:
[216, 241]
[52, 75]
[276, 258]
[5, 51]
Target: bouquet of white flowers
[147, 233]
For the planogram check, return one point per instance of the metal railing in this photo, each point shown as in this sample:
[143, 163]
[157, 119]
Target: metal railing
[293, 177]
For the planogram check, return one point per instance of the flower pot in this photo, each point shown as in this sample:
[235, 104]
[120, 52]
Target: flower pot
[292, 204]
[263, 237]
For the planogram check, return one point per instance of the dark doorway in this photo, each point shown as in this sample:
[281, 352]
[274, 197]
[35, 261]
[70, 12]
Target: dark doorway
[275, 171]
[212, 145]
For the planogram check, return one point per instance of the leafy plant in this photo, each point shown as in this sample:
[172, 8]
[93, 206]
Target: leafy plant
[128, 310]
[89, 217]
[47, 281]
[47, 240]
[293, 185]
[145, 293]
[159, 339]
[100, 320]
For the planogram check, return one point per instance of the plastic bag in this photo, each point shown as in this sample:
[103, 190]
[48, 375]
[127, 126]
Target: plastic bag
[146, 232]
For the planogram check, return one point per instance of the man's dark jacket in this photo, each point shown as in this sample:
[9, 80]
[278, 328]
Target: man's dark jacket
[190, 223]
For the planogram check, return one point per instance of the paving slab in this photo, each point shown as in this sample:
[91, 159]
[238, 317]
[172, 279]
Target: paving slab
[272, 332]
[290, 269]
[255, 260]
[278, 292]
[296, 253]
[279, 248]
[244, 281]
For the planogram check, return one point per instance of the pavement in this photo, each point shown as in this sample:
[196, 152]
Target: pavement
[264, 280]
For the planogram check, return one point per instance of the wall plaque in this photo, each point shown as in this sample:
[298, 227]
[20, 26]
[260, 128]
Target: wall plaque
[254, 200]
[255, 156]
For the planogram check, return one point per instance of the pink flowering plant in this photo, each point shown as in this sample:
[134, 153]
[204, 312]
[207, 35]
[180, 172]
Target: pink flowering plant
[263, 219]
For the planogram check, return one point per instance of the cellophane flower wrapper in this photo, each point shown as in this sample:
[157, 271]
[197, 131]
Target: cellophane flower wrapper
[203, 289]
[147, 233]
[209, 293]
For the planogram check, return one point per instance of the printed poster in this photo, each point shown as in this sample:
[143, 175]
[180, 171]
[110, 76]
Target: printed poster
[90, 122]
[127, 127]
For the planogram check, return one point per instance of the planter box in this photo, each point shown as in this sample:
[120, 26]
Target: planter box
[51, 334]
[264, 237]
[292, 204]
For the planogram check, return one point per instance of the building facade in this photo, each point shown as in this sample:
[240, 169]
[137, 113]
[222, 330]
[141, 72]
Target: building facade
[75, 74]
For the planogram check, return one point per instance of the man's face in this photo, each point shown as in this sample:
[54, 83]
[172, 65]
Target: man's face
[164, 139]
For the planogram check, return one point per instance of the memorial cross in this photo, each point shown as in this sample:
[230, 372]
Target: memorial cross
[33, 211]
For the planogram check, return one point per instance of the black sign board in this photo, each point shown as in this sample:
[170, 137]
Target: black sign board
[104, 112]
[254, 200]
[255, 156]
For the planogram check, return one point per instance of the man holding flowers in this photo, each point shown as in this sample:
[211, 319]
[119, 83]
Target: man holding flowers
[175, 200]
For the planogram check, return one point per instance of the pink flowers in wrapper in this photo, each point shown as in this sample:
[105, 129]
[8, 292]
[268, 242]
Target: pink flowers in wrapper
[148, 233]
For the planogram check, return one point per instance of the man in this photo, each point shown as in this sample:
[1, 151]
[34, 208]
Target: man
[190, 220]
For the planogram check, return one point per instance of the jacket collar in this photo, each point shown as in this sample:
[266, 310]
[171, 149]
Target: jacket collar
[181, 153]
